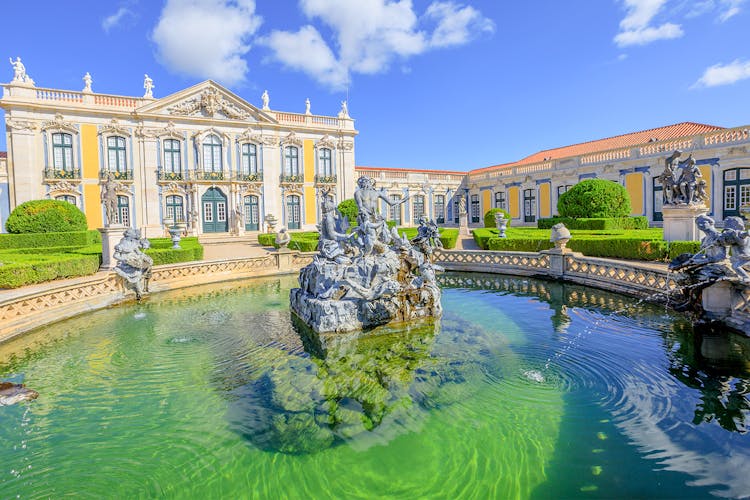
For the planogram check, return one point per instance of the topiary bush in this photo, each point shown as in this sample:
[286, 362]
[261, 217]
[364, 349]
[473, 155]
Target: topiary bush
[489, 217]
[46, 216]
[594, 198]
[601, 224]
[349, 209]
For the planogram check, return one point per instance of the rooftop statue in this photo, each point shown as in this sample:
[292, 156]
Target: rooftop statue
[265, 100]
[148, 85]
[371, 275]
[133, 265]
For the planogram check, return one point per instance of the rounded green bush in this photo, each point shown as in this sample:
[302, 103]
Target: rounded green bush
[594, 198]
[349, 208]
[46, 216]
[489, 217]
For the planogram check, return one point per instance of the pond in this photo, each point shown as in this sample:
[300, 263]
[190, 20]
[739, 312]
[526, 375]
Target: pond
[524, 388]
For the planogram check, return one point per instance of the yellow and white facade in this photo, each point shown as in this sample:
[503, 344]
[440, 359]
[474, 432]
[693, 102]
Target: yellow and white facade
[202, 156]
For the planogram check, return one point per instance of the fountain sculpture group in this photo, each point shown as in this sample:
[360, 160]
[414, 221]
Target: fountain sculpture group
[368, 276]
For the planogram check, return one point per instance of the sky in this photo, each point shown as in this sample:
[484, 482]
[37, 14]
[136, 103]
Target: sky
[431, 84]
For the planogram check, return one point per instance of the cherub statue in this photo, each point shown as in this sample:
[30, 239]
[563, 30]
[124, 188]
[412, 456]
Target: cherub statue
[738, 239]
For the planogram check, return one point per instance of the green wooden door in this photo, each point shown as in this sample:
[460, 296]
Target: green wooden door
[292, 212]
[251, 213]
[214, 211]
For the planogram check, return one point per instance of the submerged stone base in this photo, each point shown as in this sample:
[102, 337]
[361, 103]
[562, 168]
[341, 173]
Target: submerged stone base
[345, 315]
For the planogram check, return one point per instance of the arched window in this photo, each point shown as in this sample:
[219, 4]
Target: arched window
[123, 210]
[175, 208]
[62, 152]
[291, 160]
[325, 167]
[249, 159]
[172, 163]
[293, 211]
[212, 154]
[69, 198]
[116, 161]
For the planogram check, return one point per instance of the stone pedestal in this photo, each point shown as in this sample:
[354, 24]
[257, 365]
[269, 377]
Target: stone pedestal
[717, 299]
[463, 224]
[111, 236]
[679, 222]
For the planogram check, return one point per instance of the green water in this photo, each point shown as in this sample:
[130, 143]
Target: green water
[524, 389]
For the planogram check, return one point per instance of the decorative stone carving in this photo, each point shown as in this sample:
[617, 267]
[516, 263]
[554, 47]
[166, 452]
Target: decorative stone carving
[346, 144]
[59, 123]
[20, 77]
[249, 135]
[64, 187]
[307, 106]
[148, 85]
[133, 265]
[265, 99]
[209, 102]
[344, 113]
[87, 83]
[559, 235]
[686, 187]
[283, 238]
[114, 128]
[326, 142]
[501, 223]
[271, 222]
[20, 125]
[292, 139]
[370, 277]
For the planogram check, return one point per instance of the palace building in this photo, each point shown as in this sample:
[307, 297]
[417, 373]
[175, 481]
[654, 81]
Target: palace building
[206, 158]
[203, 157]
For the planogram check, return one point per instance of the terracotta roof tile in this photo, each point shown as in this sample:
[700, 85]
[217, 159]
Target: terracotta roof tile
[675, 131]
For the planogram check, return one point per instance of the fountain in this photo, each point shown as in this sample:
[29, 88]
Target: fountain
[370, 276]
[133, 265]
[713, 280]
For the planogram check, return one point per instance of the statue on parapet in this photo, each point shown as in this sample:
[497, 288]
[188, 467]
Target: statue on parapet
[19, 72]
[133, 265]
[148, 85]
[265, 99]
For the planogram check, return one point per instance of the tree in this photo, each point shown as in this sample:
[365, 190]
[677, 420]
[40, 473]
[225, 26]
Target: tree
[46, 216]
[349, 209]
[594, 198]
[489, 217]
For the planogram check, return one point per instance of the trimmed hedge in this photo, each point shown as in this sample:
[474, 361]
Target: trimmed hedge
[448, 236]
[489, 217]
[676, 248]
[162, 253]
[482, 235]
[45, 216]
[45, 240]
[19, 270]
[596, 224]
[517, 244]
[595, 198]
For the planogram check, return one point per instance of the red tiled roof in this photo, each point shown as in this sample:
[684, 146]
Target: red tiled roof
[392, 169]
[675, 131]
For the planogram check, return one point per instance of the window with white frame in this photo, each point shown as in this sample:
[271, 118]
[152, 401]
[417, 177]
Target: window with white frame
[417, 207]
[123, 210]
[395, 208]
[439, 208]
[291, 160]
[116, 160]
[69, 198]
[249, 159]
[474, 208]
[212, 150]
[175, 208]
[62, 152]
[325, 167]
[172, 163]
[500, 199]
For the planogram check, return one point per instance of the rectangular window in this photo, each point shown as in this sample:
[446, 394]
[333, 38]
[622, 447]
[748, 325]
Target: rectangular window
[455, 208]
[730, 197]
[744, 194]
[439, 208]
[172, 156]
[395, 209]
[500, 199]
[208, 211]
[529, 205]
[116, 154]
[474, 208]
[221, 212]
[291, 160]
[62, 151]
[418, 207]
[249, 159]
[251, 214]
[324, 163]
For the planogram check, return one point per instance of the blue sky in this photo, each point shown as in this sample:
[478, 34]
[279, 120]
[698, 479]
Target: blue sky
[432, 84]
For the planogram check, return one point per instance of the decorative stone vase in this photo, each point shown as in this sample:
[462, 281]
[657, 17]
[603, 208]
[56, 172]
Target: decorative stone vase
[502, 224]
[560, 236]
[271, 221]
[174, 232]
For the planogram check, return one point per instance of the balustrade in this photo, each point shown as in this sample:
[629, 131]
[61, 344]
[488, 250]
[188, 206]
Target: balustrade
[118, 175]
[55, 174]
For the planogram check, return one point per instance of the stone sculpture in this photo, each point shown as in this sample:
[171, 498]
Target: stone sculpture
[109, 200]
[271, 222]
[307, 106]
[265, 100]
[283, 238]
[87, 82]
[502, 224]
[689, 188]
[133, 265]
[19, 70]
[370, 277]
[560, 236]
[11, 393]
[148, 85]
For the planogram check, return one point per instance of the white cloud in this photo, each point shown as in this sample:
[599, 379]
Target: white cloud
[730, 9]
[368, 35]
[110, 22]
[207, 38]
[724, 74]
[725, 9]
[636, 29]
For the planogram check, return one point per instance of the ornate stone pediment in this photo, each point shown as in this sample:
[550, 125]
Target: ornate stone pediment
[169, 131]
[250, 135]
[59, 123]
[292, 140]
[346, 144]
[327, 142]
[206, 100]
[64, 187]
[174, 188]
[114, 128]
[20, 124]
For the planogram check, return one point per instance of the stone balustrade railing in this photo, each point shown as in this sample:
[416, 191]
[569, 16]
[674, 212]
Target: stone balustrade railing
[317, 121]
[384, 175]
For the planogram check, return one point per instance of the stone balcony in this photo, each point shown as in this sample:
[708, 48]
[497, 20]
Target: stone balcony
[210, 176]
[251, 177]
[53, 174]
[118, 175]
[171, 176]
[291, 179]
[325, 179]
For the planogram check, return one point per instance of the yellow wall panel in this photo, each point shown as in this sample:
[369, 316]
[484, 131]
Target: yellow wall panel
[92, 199]
[90, 153]
[311, 214]
[309, 158]
[513, 204]
[545, 203]
[486, 201]
[706, 173]
[634, 187]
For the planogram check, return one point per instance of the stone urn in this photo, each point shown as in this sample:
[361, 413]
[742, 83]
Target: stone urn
[283, 238]
[175, 233]
[271, 221]
[501, 223]
[560, 235]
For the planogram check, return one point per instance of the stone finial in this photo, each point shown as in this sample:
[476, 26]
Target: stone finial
[307, 106]
[87, 82]
[560, 235]
[283, 238]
